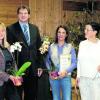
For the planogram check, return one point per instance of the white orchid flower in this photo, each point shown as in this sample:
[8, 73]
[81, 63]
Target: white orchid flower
[12, 48]
[15, 46]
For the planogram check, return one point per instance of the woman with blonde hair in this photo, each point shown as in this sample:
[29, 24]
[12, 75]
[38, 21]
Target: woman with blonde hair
[4, 40]
[7, 81]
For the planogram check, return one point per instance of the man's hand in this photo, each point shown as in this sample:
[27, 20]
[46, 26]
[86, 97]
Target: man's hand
[40, 71]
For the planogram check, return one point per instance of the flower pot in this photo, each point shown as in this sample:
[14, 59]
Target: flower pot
[18, 81]
[54, 74]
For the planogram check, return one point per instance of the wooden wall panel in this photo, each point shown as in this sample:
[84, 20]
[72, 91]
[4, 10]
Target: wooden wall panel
[8, 10]
[46, 14]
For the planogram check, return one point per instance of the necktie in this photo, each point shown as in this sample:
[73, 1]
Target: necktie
[25, 29]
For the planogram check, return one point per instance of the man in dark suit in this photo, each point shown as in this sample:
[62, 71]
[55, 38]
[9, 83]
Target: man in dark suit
[30, 50]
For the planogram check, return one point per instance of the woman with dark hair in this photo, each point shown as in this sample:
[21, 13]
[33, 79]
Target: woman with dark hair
[63, 57]
[88, 67]
[67, 33]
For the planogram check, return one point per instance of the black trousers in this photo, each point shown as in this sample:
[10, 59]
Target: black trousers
[28, 90]
[43, 88]
[8, 92]
[35, 88]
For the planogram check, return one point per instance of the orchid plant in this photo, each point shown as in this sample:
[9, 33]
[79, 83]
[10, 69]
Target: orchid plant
[18, 73]
[43, 50]
[45, 45]
[21, 71]
[16, 46]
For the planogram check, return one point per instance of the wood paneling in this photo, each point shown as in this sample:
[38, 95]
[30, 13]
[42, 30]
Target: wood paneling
[8, 10]
[74, 6]
[46, 14]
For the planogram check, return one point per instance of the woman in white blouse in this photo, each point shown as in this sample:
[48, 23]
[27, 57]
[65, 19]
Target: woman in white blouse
[88, 67]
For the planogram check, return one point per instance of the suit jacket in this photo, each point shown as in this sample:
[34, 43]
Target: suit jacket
[29, 52]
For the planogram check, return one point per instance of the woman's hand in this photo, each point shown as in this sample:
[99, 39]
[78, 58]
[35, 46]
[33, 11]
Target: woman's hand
[77, 85]
[62, 73]
[77, 81]
[98, 68]
[12, 78]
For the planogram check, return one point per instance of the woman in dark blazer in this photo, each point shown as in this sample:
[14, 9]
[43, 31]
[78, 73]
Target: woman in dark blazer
[8, 90]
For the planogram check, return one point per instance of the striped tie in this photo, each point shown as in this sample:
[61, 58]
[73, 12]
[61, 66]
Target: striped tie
[25, 29]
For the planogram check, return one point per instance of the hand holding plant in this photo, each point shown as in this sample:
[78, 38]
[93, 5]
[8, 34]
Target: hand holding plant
[17, 81]
[16, 75]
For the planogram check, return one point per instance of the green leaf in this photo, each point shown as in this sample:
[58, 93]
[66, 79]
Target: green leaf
[22, 74]
[23, 68]
[11, 71]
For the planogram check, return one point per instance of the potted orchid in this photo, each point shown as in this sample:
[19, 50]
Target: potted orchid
[43, 50]
[45, 45]
[20, 72]
[52, 70]
[17, 47]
